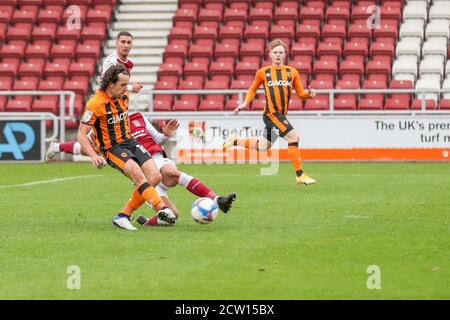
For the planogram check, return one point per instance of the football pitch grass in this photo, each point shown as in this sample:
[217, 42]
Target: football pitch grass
[280, 241]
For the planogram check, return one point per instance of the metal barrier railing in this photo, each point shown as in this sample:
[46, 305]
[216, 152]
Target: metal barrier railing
[62, 107]
[420, 93]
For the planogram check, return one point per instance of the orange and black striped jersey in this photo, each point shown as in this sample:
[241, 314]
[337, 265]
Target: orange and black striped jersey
[109, 119]
[278, 83]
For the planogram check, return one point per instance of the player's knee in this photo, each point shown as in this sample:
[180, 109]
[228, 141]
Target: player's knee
[155, 179]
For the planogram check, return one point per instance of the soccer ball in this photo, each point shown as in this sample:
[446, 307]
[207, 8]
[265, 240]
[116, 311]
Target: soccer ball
[204, 210]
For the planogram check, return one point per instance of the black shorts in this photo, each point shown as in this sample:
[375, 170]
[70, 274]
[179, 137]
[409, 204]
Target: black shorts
[276, 121]
[120, 153]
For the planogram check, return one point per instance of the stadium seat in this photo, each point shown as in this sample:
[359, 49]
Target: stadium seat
[41, 105]
[325, 67]
[380, 48]
[303, 49]
[317, 104]
[21, 105]
[51, 84]
[435, 46]
[6, 13]
[412, 28]
[440, 10]
[423, 84]
[312, 13]
[438, 28]
[351, 67]
[239, 85]
[405, 65]
[416, 10]
[446, 86]
[285, 13]
[5, 83]
[430, 104]
[34, 69]
[344, 104]
[369, 104]
[374, 84]
[359, 30]
[168, 69]
[81, 69]
[251, 49]
[186, 103]
[87, 50]
[184, 18]
[199, 51]
[337, 12]
[308, 30]
[256, 32]
[12, 51]
[378, 67]
[19, 31]
[44, 32]
[444, 104]
[246, 68]
[232, 14]
[431, 65]
[162, 105]
[26, 14]
[195, 69]
[347, 84]
[78, 84]
[354, 48]
[409, 46]
[9, 68]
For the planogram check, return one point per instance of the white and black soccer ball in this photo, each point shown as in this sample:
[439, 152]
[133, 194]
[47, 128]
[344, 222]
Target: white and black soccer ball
[204, 210]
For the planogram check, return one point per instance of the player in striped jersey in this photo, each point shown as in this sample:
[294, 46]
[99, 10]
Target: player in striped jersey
[124, 43]
[278, 81]
[106, 113]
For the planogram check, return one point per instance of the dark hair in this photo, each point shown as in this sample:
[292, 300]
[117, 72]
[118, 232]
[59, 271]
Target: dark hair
[124, 33]
[112, 75]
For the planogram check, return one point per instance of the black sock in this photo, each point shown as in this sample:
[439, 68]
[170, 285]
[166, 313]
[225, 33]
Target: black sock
[299, 173]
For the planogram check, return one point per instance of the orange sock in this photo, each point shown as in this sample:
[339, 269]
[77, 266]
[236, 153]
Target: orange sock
[294, 154]
[149, 194]
[248, 143]
[133, 204]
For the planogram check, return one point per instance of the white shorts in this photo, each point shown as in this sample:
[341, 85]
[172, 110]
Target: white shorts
[160, 162]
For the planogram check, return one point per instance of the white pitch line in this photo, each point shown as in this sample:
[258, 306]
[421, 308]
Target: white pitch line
[33, 183]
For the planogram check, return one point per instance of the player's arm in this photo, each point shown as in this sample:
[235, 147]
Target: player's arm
[251, 92]
[167, 129]
[83, 139]
[298, 86]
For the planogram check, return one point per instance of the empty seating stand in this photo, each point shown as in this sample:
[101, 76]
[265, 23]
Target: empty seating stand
[39, 52]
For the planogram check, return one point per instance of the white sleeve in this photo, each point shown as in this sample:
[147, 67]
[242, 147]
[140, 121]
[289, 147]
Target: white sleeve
[159, 138]
[106, 65]
[130, 88]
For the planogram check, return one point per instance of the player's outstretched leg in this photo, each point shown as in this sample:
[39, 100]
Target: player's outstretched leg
[53, 149]
[164, 217]
[123, 221]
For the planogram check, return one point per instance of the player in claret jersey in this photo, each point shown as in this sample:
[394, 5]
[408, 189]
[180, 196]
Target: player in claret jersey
[278, 81]
[148, 137]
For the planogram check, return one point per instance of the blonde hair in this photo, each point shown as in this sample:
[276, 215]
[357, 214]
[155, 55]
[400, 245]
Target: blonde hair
[276, 43]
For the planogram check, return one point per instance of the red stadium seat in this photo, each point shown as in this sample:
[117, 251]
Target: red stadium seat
[211, 105]
[352, 67]
[209, 15]
[168, 69]
[221, 68]
[6, 14]
[41, 105]
[317, 104]
[51, 14]
[64, 33]
[329, 49]
[231, 32]
[51, 84]
[38, 49]
[26, 14]
[303, 49]
[186, 104]
[301, 66]
[226, 50]
[235, 15]
[3, 101]
[347, 84]
[240, 85]
[337, 12]
[369, 104]
[99, 13]
[62, 51]
[93, 32]
[177, 33]
[200, 51]
[396, 104]
[58, 68]
[20, 31]
[231, 104]
[77, 84]
[81, 69]
[308, 30]
[175, 50]
[353, 48]
[325, 67]
[333, 30]
[360, 13]
[32, 69]
[286, 13]
[190, 85]
[382, 48]
[195, 69]
[374, 84]
[295, 103]
[260, 16]
[378, 67]
[359, 30]
[251, 49]
[344, 104]
[286, 34]
[26, 83]
[205, 32]
[246, 68]
[256, 32]
[9, 67]
[87, 50]
[430, 104]
[312, 13]
[162, 105]
[44, 32]
[444, 104]
[12, 51]
[18, 105]
[184, 18]
[5, 83]
[386, 30]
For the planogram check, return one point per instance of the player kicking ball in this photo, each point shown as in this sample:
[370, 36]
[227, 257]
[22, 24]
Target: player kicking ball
[278, 81]
[148, 137]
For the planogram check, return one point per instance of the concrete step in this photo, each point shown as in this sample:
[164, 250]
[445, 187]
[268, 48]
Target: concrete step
[143, 44]
[137, 34]
[153, 17]
[138, 53]
[129, 8]
[141, 25]
[146, 79]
